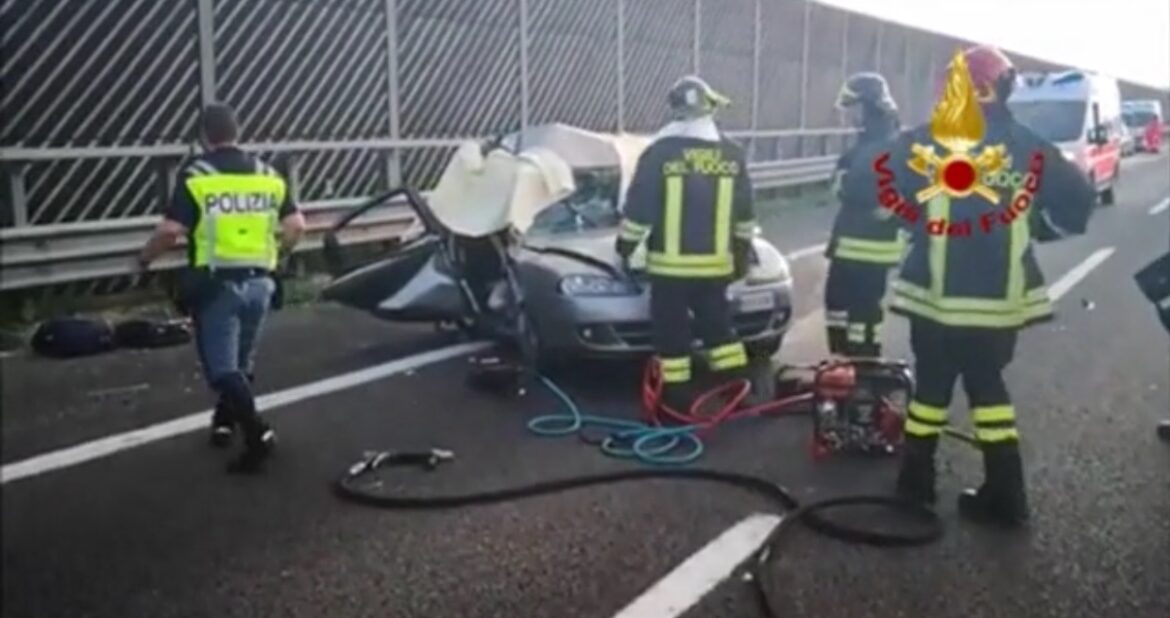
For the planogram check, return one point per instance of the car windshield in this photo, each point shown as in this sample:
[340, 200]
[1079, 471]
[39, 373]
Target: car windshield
[1055, 121]
[1137, 119]
[592, 206]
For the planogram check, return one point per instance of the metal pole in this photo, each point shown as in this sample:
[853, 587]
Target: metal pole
[206, 51]
[393, 160]
[621, 65]
[696, 42]
[17, 194]
[757, 43]
[804, 63]
[844, 66]
[877, 53]
[523, 64]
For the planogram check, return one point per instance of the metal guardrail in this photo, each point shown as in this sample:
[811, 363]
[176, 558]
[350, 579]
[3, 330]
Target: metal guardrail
[40, 255]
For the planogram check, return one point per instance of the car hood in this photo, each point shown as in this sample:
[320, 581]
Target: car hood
[593, 248]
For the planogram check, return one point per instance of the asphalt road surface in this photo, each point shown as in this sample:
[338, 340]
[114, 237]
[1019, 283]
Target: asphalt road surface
[100, 522]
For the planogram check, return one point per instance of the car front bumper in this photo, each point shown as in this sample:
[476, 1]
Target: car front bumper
[620, 326]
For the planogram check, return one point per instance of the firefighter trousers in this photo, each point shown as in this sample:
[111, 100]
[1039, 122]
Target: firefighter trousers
[942, 355]
[853, 307]
[673, 301]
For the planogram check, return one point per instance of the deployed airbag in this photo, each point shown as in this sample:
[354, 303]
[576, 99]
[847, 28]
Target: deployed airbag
[481, 195]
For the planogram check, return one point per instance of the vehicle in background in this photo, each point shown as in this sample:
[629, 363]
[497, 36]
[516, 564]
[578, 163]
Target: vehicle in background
[1144, 118]
[1079, 112]
[1128, 139]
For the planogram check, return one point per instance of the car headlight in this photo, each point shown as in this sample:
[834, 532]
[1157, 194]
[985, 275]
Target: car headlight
[1069, 155]
[597, 285]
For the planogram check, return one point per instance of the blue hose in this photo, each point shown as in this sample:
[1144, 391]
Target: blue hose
[647, 443]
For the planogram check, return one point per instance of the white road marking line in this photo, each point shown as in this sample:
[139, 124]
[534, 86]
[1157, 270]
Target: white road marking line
[805, 252]
[1160, 206]
[109, 445]
[1078, 272]
[687, 584]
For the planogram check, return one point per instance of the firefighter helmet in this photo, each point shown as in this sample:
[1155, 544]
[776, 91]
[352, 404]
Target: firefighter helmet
[992, 73]
[692, 97]
[867, 88]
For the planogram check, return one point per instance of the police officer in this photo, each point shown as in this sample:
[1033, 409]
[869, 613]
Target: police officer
[970, 280]
[865, 241]
[691, 200]
[228, 204]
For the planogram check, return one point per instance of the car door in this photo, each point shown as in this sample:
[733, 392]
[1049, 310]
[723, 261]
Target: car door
[413, 280]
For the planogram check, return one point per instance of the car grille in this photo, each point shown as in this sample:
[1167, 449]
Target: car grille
[638, 335]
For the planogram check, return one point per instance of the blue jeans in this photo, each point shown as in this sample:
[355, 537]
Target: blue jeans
[228, 326]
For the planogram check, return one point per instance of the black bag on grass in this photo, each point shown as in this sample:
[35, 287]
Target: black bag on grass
[72, 337]
[144, 333]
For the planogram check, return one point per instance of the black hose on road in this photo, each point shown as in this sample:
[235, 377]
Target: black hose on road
[348, 487]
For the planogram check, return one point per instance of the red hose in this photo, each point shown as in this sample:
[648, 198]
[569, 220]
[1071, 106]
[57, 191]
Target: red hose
[732, 394]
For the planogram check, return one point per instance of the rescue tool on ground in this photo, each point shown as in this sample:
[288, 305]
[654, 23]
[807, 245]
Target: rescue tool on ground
[865, 242]
[967, 296]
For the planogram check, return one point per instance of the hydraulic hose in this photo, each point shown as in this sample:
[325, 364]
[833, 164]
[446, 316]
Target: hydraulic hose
[349, 487]
[652, 442]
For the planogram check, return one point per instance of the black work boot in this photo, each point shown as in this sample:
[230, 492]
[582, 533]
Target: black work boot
[222, 426]
[259, 440]
[1164, 430]
[1001, 500]
[916, 475]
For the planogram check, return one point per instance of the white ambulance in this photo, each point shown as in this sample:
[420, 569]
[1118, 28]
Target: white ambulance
[1079, 112]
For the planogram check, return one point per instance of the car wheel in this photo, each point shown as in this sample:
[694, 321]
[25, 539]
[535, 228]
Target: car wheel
[547, 361]
[764, 348]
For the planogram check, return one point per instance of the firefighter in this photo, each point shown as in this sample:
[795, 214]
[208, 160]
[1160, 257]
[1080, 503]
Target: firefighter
[231, 207]
[691, 200]
[865, 242]
[970, 280]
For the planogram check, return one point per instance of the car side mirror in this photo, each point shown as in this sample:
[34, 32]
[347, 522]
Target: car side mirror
[1100, 135]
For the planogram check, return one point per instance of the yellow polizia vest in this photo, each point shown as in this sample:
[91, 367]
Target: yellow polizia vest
[238, 217]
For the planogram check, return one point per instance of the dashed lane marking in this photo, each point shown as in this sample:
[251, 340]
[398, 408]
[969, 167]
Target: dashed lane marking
[109, 445]
[1160, 206]
[687, 584]
[1062, 286]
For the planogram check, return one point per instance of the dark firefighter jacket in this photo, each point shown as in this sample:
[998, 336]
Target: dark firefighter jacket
[864, 231]
[693, 199]
[971, 261]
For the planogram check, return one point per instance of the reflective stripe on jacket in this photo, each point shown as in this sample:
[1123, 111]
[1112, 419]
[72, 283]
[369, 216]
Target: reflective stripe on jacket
[690, 199]
[863, 231]
[239, 212]
[971, 262]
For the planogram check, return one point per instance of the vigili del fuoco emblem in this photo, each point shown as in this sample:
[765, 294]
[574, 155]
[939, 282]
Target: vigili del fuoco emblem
[957, 125]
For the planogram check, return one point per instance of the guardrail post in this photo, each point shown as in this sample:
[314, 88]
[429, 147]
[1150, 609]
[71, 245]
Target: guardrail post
[393, 158]
[17, 192]
[166, 168]
[207, 86]
[877, 53]
[292, 174]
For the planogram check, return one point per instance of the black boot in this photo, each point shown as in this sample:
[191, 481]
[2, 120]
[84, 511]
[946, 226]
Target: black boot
[916, 477]
[259, 440]
[678, 397]
[222, 426]
[1164, 430]
[1001, 500]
